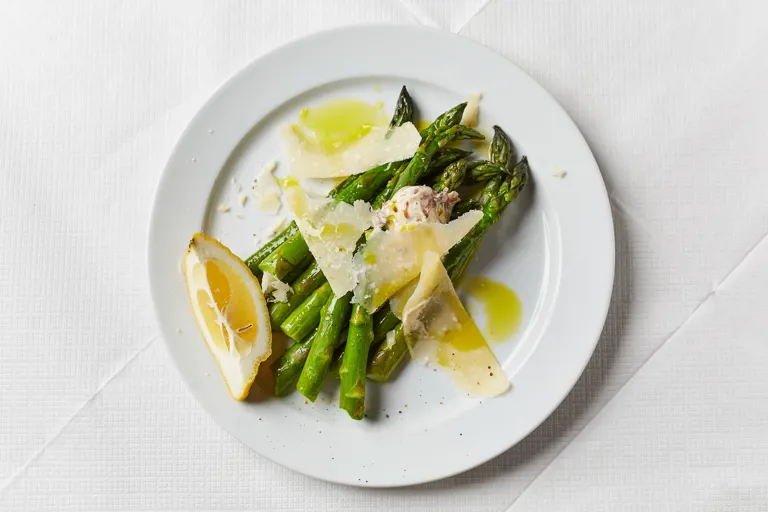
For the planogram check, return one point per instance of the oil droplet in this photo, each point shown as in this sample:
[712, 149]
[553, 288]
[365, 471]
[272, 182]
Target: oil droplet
[501, 306]
[339, 122]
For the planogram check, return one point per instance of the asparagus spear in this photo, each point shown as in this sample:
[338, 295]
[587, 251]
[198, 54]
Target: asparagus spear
[338, 358]
[310, 280]
[354, 362]
[305, 318]
[443, 122]
[483, 170]
[445, 157]
[497, 196]
[452, 177]
[384, 320]
[253, 261]
[464, 206]
[403, 109]
[502, 151]
[287, 368]
[419, 163]
[332, 319]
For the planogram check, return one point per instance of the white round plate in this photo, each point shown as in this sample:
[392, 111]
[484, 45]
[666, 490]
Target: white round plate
[554, 246]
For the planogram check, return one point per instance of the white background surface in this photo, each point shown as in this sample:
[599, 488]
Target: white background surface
[671, 413]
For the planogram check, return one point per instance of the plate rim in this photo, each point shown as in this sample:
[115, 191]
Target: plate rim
[221, 89]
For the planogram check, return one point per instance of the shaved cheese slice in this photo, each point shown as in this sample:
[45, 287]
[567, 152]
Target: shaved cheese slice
[438, 329]
[277, 290]
[331, 230]
[472, 110]
[266, 191]
[398, 300]
[378, 146]
[391, 259]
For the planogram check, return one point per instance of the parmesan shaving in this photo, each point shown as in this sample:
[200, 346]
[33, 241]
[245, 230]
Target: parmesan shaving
[391, 259]
[439, 330]
[558, 172]
[275, 289]
[472, 110]
[277, 226]
[378, 146]
[266, 191]
[331, 230]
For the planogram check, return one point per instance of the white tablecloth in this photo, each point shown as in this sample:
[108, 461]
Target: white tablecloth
[672, 412]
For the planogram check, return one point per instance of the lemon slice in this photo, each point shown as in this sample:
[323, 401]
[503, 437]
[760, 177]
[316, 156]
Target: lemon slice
[230, 310]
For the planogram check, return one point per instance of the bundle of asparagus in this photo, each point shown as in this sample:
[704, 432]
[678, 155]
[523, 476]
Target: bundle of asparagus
[317, 318]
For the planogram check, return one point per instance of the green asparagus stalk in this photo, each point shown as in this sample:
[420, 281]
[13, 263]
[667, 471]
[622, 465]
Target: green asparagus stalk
[464, 206]
[445, 157]
[419, 163]
[443, 122]
[332, 320]
[338, 358]
[483, 170]
[354, 362]
[288, 367]
[384, 320]
[305, 318]
[452, 177]
[501, 151]
[253, 261]
[310, 280]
